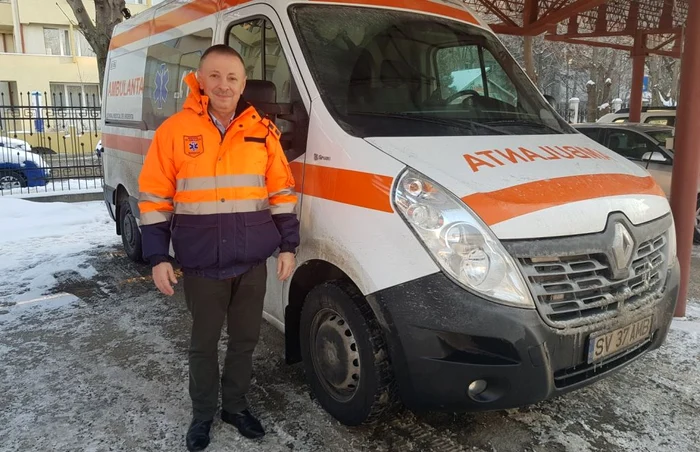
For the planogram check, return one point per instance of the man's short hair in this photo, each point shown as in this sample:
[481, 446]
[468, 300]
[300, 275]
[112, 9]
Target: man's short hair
[221, 49]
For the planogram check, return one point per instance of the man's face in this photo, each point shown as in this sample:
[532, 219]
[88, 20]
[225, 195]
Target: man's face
[222, 78]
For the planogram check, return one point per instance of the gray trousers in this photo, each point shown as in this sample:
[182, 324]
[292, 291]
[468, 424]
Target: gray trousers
[240, 301]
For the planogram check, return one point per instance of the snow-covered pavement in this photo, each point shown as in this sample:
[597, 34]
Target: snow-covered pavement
[42, 240]
[93, 359]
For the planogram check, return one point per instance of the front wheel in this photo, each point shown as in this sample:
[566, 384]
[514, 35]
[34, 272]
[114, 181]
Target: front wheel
[131, 235]
[345, 357]
[12, 180]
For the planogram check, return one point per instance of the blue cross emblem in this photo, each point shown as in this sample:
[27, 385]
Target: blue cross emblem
[194, 146]
[160, 94]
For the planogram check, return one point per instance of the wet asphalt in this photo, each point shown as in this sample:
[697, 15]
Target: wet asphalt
[109, 373]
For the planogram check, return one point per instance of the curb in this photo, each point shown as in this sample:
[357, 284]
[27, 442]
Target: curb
[68, 197]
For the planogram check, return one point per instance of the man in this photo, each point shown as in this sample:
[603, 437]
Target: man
[216, 177]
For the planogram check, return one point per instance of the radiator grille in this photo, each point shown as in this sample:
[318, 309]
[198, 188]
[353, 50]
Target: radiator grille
[575, 290]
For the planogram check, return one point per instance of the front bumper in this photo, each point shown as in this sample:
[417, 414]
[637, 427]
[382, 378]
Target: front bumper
[441, 338]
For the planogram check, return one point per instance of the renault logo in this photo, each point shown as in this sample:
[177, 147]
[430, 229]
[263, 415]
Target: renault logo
[622, 248]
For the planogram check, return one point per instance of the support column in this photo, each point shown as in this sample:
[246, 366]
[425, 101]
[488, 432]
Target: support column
[686, 166]
[17, 28]
[529, 58]
[638, 60]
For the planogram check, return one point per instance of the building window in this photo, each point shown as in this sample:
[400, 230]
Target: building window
[57, 42]
[8, 94]
[7, 42]
[82, 46]
[74, 95]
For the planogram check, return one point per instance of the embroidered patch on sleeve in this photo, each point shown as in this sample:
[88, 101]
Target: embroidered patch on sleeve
[194, 145]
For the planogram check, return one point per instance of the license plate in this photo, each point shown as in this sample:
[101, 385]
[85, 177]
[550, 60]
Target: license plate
[602, 345]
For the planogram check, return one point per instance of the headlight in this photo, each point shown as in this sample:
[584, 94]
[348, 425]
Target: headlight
[672, 247]
[459, 242]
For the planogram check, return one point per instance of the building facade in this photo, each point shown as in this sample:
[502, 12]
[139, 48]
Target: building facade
[43, 53]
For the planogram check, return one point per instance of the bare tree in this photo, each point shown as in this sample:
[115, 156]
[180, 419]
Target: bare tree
[108, 13]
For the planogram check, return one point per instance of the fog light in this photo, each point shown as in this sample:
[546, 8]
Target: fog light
[476, 387]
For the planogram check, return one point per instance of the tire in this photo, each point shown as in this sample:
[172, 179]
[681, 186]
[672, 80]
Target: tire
[345, 357]
[12, 180]
[131, 235]
[697, 222]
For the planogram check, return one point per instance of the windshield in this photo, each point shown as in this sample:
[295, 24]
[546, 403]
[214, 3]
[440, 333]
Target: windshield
[393, 73]
[660, 136]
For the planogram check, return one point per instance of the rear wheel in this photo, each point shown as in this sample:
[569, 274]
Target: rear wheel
[131, 235]
[697, 222]
[11, 180]
[345, 356]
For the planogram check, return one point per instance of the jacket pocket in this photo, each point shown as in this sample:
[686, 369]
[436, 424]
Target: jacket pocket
[261, 236]
[195, 241]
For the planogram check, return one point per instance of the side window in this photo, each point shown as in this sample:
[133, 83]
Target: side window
[659, 120]
[461, 69]
[628, 144]
[620, 120]
[246, 38]
[276, 66]
[590, 132]
[268, 63]
[167, 64]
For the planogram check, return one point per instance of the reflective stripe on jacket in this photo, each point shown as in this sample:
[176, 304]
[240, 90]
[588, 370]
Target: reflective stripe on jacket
[227, 201]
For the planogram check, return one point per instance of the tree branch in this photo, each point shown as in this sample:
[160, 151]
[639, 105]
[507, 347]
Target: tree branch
[84, 21]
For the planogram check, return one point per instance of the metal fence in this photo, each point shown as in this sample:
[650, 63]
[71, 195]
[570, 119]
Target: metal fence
[48, 143]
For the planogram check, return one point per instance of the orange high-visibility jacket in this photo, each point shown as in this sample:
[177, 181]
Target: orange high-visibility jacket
[227, 202]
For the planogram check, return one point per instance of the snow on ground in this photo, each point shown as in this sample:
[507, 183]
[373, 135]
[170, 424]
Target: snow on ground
[41, 240]
[108, 370]
[58, 187]
[696, 252]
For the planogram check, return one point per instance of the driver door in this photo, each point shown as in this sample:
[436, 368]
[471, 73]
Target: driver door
[256, 33]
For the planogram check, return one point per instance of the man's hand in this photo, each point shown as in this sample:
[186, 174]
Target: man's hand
[163, 276]
[285, 265]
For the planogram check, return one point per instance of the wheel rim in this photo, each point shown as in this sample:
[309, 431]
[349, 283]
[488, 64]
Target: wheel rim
[335, 354]
[697, 221]
[9, 183]
[128, 231]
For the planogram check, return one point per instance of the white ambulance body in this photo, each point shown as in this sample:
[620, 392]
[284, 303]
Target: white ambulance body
[462, 248]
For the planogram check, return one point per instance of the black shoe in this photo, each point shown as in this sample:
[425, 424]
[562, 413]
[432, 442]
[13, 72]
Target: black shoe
[198, 435]
[245, 422]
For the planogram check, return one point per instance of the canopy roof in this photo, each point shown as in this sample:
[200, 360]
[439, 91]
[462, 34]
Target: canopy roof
[657, 24]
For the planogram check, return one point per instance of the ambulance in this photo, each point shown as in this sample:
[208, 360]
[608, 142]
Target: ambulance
[462, 247]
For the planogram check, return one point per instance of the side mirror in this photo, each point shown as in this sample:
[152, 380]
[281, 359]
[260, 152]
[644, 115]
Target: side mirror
[294, 141]
[551, 100]
[655, 156]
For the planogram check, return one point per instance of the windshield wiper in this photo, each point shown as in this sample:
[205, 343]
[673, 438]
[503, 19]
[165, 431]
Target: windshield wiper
[459, 123]
[524, 122]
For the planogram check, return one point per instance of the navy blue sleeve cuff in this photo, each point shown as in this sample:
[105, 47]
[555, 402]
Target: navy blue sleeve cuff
[158, 259]
[288, 227]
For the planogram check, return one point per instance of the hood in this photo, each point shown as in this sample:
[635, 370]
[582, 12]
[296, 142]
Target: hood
[534, 186]
[15, 143]
[196, 99]
[15, 156]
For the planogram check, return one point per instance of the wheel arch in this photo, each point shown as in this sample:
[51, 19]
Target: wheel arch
[310, 274]
[121, 194]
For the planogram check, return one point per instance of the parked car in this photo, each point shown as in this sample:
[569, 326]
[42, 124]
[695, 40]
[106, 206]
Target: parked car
[645, 144]
[663, 116]
[20, 168]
